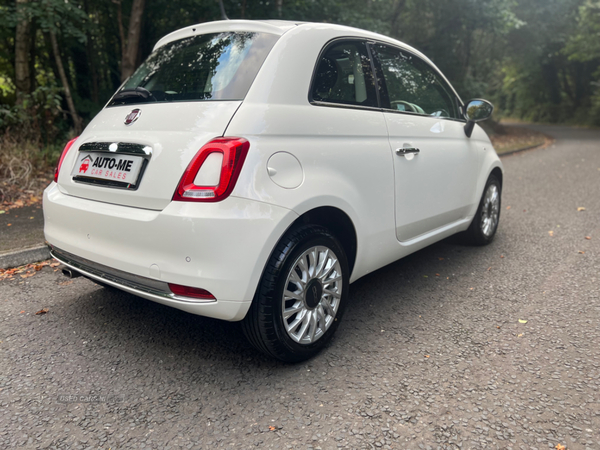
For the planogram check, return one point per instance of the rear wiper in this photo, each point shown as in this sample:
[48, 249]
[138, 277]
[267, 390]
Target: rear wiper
[132, 95]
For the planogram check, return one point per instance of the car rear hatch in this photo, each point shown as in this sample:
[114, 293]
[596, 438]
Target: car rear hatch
[136, 149]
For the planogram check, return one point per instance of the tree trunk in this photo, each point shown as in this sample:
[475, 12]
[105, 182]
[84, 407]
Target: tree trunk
[22, 46]
[133, 39]
[65, 83]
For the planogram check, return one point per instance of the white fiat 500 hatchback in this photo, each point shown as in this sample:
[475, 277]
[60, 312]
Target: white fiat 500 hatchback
[250, 171]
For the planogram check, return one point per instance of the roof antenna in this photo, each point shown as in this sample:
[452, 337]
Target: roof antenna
[223, 15]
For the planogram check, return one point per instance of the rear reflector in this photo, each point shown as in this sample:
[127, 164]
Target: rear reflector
[187, 291]
[62, 157]
[234, 151]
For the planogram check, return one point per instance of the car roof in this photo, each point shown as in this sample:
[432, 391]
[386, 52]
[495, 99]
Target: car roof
[278, 27]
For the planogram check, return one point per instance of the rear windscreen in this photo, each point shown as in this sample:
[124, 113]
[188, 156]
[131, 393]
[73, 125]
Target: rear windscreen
[219, 66]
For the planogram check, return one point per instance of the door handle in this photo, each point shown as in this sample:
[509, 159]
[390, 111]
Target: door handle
[407, 150]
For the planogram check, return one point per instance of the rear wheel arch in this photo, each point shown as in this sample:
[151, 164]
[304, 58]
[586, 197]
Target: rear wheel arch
[497, 172]
[338, 223]
[335, 220]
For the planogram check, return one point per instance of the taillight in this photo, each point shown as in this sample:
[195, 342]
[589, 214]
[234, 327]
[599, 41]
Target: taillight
[230, 153]
[62, 157]
[187, 291]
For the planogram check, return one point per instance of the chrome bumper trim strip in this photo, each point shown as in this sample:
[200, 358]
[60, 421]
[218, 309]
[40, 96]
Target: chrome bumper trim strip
[118, 278]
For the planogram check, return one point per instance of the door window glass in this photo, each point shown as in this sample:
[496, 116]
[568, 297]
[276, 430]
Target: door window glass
[413, 86]
[344, 76]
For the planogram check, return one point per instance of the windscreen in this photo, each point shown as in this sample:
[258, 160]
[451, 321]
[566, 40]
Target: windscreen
[219, 66]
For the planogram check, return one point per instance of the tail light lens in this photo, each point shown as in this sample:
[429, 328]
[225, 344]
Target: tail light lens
[233, 151]
[62, 157]
[187, 291]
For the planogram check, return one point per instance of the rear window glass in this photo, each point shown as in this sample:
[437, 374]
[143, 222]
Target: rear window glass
[218, 66]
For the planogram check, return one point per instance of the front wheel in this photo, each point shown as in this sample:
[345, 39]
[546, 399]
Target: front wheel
[301, 296]
[485, 223]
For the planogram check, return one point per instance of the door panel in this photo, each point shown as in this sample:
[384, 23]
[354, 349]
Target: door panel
[434, 187]
[435, 164]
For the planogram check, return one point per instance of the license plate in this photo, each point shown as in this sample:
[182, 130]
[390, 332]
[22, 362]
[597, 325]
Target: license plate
[107, 166]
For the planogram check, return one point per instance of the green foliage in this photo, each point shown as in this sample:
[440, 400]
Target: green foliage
[36, 117]
[535, 59]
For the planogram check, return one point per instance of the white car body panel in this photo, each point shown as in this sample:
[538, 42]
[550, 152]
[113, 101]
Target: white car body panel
[301, 157]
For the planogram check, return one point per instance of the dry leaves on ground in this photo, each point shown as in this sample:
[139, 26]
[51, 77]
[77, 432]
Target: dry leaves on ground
[26, 271]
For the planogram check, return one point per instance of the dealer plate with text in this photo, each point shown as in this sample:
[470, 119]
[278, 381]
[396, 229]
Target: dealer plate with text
[107, 166]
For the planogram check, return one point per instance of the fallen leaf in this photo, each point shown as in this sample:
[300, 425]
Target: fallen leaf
[22, 312]
[38, 267]
[551, 233]
[41, 311]
[522, 321]
[425, 276]
[508, 207]
[498, 327]
[470, 289]
[31, 218]
[501, 256]
[437, 274]
[441, 259]
[9, 224]
[520, 335]
[272, 428]
[426, 356]
[581, 208]
[66, 283]
[581, 252]
[589, 238]
[55, 264]
[489, 268]
[559, 446]
[2, 212]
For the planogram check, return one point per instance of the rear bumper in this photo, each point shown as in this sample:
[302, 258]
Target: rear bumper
[221, 247]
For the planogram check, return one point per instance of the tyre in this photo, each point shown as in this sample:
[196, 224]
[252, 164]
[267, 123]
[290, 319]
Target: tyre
[485, 223]
[301, 296]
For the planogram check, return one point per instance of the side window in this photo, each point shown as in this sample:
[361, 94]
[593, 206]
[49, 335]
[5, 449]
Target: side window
[413, 85]
[344, 76]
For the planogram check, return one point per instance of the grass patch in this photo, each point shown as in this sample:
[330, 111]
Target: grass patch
[507, 138]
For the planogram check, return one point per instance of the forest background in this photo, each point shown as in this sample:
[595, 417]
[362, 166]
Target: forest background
[61, 60]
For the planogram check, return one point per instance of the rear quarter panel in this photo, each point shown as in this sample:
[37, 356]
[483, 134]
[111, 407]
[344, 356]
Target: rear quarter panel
[344, 152]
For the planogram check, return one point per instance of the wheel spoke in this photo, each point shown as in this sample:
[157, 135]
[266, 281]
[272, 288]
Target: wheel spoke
[332, 293]
[288, 295]
[293, 310]
[294, 278]
[321, 318]
[323, 259]
[312, 326]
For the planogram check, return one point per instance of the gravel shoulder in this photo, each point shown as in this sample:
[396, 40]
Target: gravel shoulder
[433, 351]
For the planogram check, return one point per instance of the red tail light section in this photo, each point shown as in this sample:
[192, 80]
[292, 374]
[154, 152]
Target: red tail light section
[62, 157]
[187, 291]
[234, 152]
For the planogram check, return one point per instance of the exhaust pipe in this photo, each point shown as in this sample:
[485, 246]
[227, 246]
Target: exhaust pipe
[70, 273]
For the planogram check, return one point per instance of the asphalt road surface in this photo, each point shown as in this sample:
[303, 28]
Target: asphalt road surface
[432, 351]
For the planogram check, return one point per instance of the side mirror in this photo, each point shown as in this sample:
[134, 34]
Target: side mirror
[476, 111]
